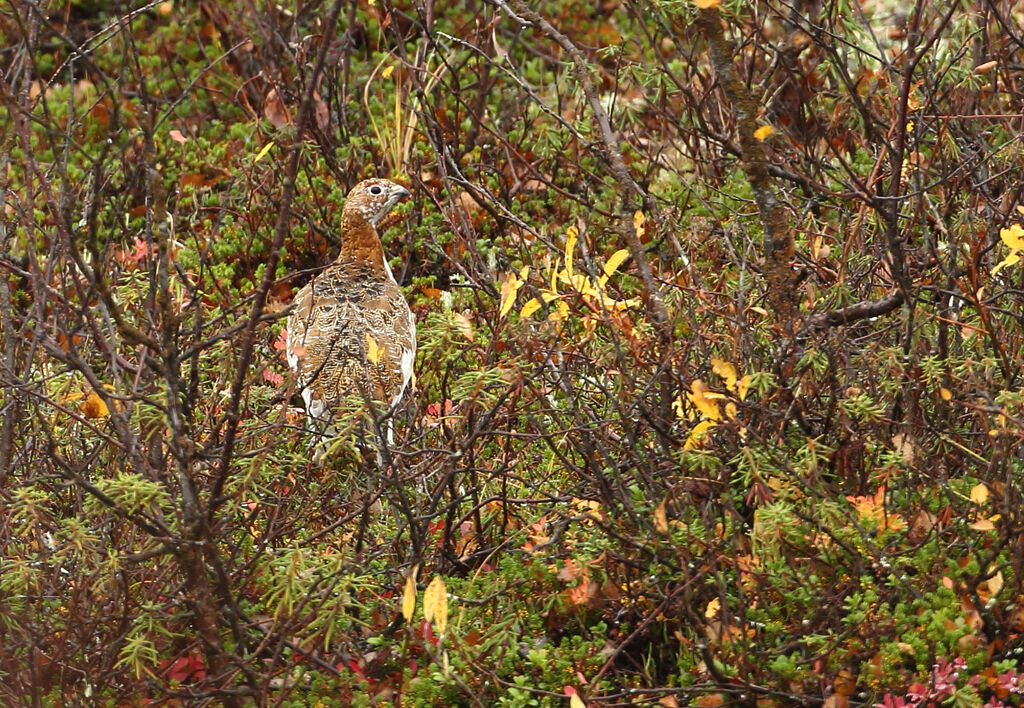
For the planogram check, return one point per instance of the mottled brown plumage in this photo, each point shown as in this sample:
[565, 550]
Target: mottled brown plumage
[351, 332]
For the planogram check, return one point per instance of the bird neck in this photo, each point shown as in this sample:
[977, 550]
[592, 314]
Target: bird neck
[360, 243]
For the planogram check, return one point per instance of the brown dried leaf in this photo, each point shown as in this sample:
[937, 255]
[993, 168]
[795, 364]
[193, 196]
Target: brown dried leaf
[275, 111]
[320, 112]
[661, 518]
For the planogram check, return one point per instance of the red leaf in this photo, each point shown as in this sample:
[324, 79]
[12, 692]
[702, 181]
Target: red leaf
[353, 665]
[427, 632]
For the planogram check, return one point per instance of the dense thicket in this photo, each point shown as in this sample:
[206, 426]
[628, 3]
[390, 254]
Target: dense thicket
[719, 380]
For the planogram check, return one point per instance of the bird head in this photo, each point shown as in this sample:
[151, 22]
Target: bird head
[372, 199]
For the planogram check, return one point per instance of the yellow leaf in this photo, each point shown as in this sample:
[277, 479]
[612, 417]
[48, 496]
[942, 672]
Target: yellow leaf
[726, 370]
[576, 702]
[660, 518]
[730, 410]
[529, 308]
[979, 493]
[509, 289]
[464, 325]
[435, 604]
[571, 236]
[697, 434]
[409, 596]
[706, 4]
[263, 153]
[534, 304]
[1010, 260]
[560, 312]
[639, 224]
[763, 132]
[1013, 237]
[374, 352]
[700, 397]
[94, 407]
[617, 259]
[712, 609]
[946, 394]
[388, 71]
[742, 386]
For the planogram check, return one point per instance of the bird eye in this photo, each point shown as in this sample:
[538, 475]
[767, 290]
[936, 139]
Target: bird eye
[375, 189]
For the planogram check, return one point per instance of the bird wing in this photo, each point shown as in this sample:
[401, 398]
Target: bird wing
[350, 335]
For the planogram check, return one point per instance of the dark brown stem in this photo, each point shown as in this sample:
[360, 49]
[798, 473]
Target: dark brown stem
[855, 312]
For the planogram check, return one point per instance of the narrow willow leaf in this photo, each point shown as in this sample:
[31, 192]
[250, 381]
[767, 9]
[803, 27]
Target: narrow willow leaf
[409, 596]
[617, 259]
[529, 308]
[435, 604]
[571, 235]
[263, 153]
[742, 386]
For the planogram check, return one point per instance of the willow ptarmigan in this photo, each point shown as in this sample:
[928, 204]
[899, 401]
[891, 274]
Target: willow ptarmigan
[351, 332]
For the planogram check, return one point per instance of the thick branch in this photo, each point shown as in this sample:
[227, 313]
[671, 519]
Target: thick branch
[859, 311]
[778, 236]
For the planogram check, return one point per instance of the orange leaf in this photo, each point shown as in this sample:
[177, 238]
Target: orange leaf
[94, 407]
